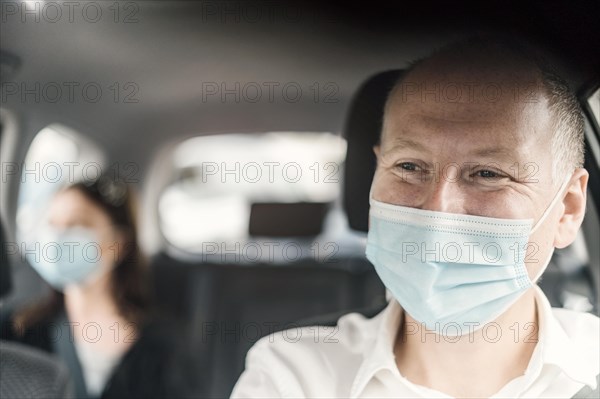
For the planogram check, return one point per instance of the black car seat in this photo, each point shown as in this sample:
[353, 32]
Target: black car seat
[229, 305]
[26, 372]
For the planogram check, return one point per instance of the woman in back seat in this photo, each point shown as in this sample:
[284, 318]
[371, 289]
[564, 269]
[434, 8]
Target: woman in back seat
[97, 316]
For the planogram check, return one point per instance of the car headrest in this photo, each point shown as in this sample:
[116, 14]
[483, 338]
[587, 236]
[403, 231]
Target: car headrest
[5, 281]
[298, 219]
[363, 125]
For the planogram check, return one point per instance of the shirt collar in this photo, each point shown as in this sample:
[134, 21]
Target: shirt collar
[559, 349]
[556, 347]
[380, 354]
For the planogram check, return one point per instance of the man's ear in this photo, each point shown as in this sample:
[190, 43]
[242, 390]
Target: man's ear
[574, 209]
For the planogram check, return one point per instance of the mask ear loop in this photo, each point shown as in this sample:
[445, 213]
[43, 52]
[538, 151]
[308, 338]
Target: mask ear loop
[555, 200]
[557, 197]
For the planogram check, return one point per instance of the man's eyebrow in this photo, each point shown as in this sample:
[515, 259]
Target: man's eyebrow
[408, 143]
[494, 151]
[500, 151]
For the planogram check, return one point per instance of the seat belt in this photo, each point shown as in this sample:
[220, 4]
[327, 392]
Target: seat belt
[587, 393]
[65, 349]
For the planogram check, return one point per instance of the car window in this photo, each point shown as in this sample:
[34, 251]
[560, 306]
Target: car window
[217, 178]
[57, 156]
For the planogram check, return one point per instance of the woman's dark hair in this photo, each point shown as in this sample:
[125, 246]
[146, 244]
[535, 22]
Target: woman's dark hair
[128, 280]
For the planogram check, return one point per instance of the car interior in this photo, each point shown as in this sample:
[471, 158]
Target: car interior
[182, 98]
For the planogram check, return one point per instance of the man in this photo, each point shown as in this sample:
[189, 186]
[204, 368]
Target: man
[479, 177]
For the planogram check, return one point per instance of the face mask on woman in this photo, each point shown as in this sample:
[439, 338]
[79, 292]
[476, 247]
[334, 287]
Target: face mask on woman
[66, 256]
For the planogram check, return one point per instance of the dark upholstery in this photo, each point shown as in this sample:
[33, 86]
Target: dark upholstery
[229, 307]
[26, 372]
[363, 125]
[5, 279]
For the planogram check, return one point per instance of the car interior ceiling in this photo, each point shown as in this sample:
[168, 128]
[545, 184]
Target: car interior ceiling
[357, 53]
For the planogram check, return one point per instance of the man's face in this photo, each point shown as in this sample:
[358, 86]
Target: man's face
[483, 155]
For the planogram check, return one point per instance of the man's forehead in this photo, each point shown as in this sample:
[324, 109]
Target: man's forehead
[508, 117]
[476, 103]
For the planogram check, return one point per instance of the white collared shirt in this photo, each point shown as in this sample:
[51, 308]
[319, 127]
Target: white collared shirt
[356, 360]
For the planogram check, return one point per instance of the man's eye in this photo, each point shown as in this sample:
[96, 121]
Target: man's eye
[409, 166]
[488, 174]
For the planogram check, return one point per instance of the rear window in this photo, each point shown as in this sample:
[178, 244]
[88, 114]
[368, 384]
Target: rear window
[57, 156]
[217, 179]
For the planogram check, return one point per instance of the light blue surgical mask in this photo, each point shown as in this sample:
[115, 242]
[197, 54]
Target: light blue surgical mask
[453, 273]
[65, 257]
